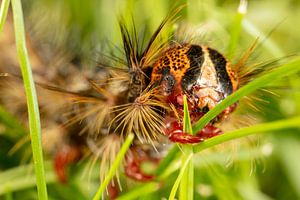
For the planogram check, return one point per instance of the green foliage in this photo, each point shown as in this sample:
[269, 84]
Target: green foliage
[200, 171]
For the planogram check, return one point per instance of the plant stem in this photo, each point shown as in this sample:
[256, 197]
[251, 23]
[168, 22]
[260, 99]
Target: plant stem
[236, 28]
[269, 44]
[187, 125]
[14, 180]
[164, 163]
[32, 104]
[12, 123]
[3, 13]
[186, 189]
[141, 190]
[178, 180]
[115, 166]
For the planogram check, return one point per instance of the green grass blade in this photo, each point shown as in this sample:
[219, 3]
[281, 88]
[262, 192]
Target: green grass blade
[8, 196]
[172, 153]
[186, 189]
[236, 28]
[178, 180]
[21, 177]
[3, 13]
[259, 128]
[139, 191]
[288, 151]
[187, 125]
[164, 163]
[25, 182]
[285, 70]
[32, 104]
[269, 44]
[12, 123]
[114, 167]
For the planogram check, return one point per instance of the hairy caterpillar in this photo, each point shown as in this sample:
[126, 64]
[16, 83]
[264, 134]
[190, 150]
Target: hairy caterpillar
[111, 104]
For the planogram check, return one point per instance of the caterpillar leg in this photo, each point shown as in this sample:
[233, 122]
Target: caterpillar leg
[174, 131]
[65, 156]
[134, 162]
[113, 190]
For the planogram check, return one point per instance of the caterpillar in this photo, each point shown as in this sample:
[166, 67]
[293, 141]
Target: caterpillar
[148, 101]
[141, 94]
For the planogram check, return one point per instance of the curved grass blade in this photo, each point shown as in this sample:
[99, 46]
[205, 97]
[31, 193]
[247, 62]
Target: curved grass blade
[178, 180]
[115, 166]
[164, 163]
[236, 28]
[3, 13]
[139, 191]
[269, 44]
[285, 70]
[187, 125]
[20, 178]
[32, 104]
[12, 123]
[186, 189]
[259, 128]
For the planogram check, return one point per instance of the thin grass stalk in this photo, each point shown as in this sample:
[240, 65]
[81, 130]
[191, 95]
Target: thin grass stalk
[285, 70]
[141, 190]
[267, 42]
[3, 13]
[8, 196]
[114, 167]
[186, 189]
[187, 124]
[164, 163]
[23, 183]
[11, 122]
[22, 177]
[236, 28]
[179, 178]
[32, 104]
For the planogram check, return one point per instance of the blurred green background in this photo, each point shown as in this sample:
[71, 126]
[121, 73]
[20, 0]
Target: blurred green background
[251, 168]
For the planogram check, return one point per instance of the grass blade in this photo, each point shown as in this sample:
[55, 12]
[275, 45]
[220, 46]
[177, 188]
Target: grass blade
[236, 28]
[115, 166]
[164, 163]
[3, 13]
[178, 180]
[141, 190]
[21, 177]
[286, 69]
[32, 104]
[12, 123]
[186, 189]
[187, 125]
[269, 44]
[259, 128]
